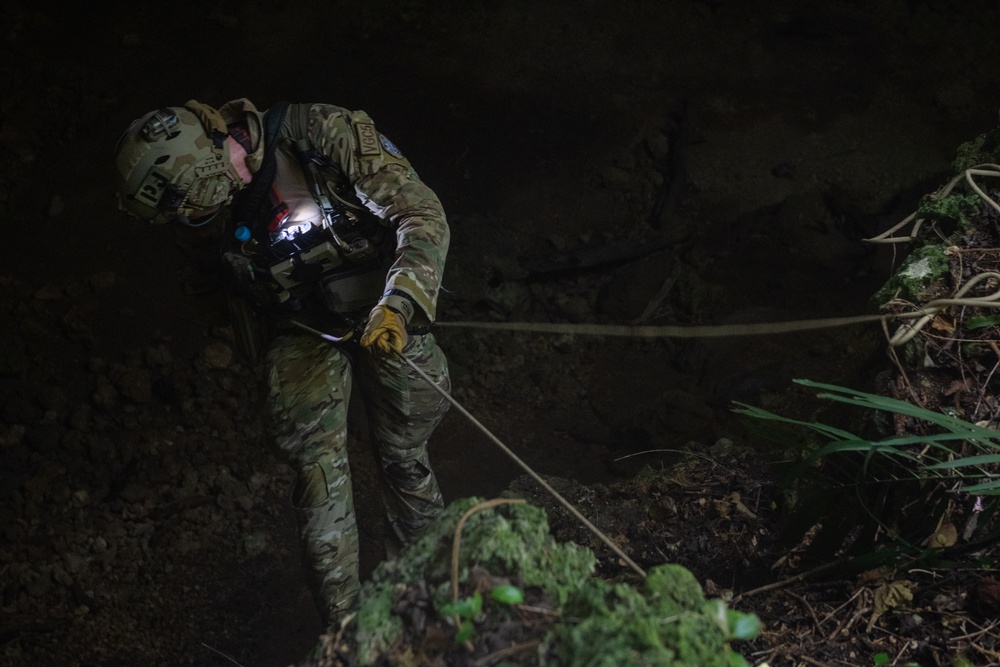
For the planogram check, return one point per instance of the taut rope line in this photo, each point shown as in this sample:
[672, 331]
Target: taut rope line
[534, 475]
[924, 314]
[675, 330]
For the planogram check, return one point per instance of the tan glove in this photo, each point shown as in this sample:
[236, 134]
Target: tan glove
[385, 331]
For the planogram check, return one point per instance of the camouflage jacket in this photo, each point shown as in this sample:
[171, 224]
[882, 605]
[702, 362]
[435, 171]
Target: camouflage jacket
[377, 174]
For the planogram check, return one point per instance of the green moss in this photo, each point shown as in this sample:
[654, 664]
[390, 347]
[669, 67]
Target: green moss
[925, 273]
[984, 149]
[953, 217]
[668, 622]
[674, 588]
[916, 279]
[513, 539]
[960, 209]
[377, 627]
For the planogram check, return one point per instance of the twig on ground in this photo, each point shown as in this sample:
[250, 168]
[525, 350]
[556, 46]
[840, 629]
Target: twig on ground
[215, 650]
[847, 602]
[537, 610]
[899, 365]
[902, 650]
[845, 627]
[808, 607]
[675, 451]
[787, 582]
[985, 651]
[507, 652]
[813, 661]
[978, 633]
[986, 383]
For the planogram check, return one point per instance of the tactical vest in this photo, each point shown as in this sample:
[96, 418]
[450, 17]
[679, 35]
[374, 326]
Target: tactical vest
[337, 263]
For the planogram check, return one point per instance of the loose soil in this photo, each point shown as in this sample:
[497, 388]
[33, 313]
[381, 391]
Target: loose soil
[145, 518]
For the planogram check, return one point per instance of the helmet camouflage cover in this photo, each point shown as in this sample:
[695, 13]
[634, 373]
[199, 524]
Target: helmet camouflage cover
[175, 161]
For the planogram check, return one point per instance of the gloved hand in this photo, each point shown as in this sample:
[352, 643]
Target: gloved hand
[385, 331]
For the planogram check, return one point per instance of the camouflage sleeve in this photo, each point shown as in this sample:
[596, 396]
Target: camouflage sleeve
[388, 186]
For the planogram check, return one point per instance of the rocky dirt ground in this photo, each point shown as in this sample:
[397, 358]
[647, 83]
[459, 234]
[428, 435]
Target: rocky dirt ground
[753, 144]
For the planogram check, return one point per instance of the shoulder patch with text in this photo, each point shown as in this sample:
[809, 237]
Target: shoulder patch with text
[368, 141]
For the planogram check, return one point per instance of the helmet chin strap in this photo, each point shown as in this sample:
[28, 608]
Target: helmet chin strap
[215, 127]
[198, 222]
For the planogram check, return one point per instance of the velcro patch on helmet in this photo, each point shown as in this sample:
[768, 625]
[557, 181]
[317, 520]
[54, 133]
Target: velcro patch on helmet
[153, 185]
[368, 141]
[209, 191]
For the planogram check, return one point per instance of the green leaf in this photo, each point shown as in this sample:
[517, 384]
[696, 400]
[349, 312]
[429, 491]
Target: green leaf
[984, 489]
[981, 321]
[880, 659]
[507, 594]
[464, 608]
[979, 459]
[464, 632]
[743, 626]
[760, 413]
[737, 660]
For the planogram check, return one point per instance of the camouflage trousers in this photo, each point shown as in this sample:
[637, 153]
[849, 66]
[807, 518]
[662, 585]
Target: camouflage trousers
[310, 383]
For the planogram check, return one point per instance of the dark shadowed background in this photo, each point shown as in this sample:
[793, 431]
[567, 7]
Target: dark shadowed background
[752, 143]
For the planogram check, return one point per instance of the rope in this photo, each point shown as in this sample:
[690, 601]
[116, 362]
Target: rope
[674, 330]
[923, 314]
[905, 333]
[524, 466]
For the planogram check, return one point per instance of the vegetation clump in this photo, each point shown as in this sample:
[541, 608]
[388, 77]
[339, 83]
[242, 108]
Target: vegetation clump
[984, 149]
[919, 278]
[560, 613]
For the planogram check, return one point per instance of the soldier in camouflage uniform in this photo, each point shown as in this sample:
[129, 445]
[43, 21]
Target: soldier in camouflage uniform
[293, 252]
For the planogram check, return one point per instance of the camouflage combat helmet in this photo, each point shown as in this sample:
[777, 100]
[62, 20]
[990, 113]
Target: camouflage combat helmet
[174, 163]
